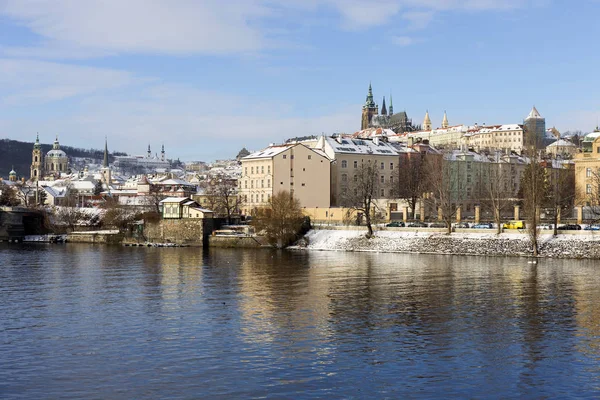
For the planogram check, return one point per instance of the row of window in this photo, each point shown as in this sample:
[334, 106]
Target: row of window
[257, 198]
[262, 170]
[262, 183]
[382, 165]
[381, 178]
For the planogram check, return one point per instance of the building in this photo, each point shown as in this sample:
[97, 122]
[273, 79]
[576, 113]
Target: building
[142, 164]
[292, 167]
[52, 165]
[371, 118]
[535, 129]
[562, 148]
[587, 176]
[183, 208]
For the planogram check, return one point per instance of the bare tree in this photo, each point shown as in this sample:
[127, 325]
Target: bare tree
[281, 221]
[561, 192]
[446, 187]
[411, 182]
[8, 196]
[498, 195]
[534, 193]
[24, 193]
[223, 198]
[361, 191]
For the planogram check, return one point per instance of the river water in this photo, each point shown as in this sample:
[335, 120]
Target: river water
[91, 322]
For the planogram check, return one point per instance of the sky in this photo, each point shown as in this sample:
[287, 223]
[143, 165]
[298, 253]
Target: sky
[206, 78]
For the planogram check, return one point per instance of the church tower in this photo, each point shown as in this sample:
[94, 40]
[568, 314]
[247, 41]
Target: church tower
[391, 106]
[105, 171]
[445, 120]
[37, 161]
[369, 110]
[12, 175]
[383, 108]
[427, 122]
[149, 152]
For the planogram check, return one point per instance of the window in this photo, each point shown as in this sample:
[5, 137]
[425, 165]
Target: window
[252, 198]
[292, 157]
[303, 184]
[262, 197]
[309, 157]
[268, 197]
[262, 169]
[355, 178]
[382, 192]
[588, 188]
[468, 178]
[391, 179]
[268, 169]
[588, 172]
[245, 184]
[252, 184]
[382, 179]
[344, 178]
[252, 170]
[468, 164]
[355, 164]
[284, 156]
[262, 183]
[344, 164]
[382, 166]
[245, 170]
[268, 183]
[391, 165]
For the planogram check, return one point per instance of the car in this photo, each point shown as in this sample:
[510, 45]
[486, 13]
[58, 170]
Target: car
[569, 227]
[462, 225]
[437, 225]
[395, 224]
[592, 228]
[482, 226]
[546, 227]
[417, 225]
[514, 225]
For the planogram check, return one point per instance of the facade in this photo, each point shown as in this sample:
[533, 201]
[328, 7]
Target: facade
[348, 154]
[183, 208]
[143, 164]
[293, 167]
[37, 160]
[587, 176]
[496, 137]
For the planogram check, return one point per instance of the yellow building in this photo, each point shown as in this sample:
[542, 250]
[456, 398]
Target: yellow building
[292, 167]
[587, 176]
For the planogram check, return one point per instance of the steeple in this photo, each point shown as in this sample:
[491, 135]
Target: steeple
[427, 122]
[534, 114]
[37, 144]
[12, 175]
[391, 106]
[162, 153]
[56, 145]
[105, 163]
[383, 108]
[445, 120]
[369, 103]
[149, 152]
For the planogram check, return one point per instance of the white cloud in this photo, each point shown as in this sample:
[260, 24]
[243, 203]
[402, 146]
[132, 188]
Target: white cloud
[32, 82]
[403, 40]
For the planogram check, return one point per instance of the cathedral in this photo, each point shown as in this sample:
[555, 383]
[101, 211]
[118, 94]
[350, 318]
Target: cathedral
[372, 118]
[53, 164]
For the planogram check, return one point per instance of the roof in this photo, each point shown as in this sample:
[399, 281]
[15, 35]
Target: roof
[178, 200]
[561, 142]
[270, 151]
[349, 145]
[534, 114]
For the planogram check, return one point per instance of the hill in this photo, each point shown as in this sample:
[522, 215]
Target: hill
[18, 154]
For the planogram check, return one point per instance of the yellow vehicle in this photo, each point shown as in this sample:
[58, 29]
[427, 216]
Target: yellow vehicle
[514, 225]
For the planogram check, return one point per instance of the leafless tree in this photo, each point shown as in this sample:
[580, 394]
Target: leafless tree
[446, 187]
[411, 182]
[223, 197]
[8, 196]
[498, 194]
[561, 192]
[361, 191]
[281, 221]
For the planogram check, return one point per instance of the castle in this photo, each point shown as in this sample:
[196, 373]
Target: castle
[372, 118]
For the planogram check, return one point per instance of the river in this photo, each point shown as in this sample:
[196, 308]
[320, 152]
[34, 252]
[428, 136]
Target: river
[101, 322]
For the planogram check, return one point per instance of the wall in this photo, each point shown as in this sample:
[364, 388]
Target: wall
[238, 242]
[95, 237]
[181, 231]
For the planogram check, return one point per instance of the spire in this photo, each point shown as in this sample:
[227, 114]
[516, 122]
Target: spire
[445, 120]
[37, 144]
[427, 122]
[391, 106]
[369, 103]
[383, 108]
[534, 114]
[162, 153]
[56, 145]
[105, 163]
[149, 152]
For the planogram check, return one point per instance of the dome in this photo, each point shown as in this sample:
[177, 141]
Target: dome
[590, 137]
[12, 173]
[56, 154]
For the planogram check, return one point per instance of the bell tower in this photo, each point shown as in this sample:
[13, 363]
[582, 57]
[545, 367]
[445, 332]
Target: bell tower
[37, 161]
[369, 110]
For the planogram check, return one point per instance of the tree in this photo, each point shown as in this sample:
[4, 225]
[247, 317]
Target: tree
[446, 190]
[533, 186]
[561, 192]
[281, 220]
[360, 193]
[98, 188]
[25, 193]
[497, 191]
[8, 197]
[411, 182]
[223, 198]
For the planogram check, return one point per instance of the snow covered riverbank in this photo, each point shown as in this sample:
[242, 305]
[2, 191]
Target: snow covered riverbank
[505, 244]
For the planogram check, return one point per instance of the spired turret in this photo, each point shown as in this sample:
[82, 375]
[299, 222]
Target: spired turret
[383, 108]
[445, 120]
[427, 122]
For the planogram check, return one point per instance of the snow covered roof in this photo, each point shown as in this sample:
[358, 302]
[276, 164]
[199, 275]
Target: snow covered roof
[269, 152]
[350, 145]
[178, 200]
[56, 192]
[534, 114]
[561, 142]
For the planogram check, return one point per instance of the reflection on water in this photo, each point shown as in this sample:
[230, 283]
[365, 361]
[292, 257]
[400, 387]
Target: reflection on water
[109, 322]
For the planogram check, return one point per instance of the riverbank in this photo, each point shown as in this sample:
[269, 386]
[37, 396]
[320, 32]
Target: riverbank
[484, 244]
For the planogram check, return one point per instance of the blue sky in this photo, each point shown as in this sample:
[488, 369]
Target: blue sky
[207, 78]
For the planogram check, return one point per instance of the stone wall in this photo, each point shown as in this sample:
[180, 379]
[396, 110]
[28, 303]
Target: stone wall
[192, 232]
[95, 237]
[237, 241]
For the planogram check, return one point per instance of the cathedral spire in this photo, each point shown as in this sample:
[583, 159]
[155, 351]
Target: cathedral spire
[149, 152]
[37, 144]
[391, 106]
[445, 120]
[105, 163]
[162, 153]
[383, 108]
[56, 145]
[369, 103]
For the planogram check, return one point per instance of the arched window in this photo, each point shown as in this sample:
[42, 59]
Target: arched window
[35, 159]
